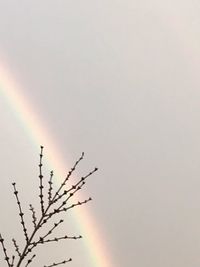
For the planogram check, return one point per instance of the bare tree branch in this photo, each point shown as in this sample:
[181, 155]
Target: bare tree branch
[57, 203]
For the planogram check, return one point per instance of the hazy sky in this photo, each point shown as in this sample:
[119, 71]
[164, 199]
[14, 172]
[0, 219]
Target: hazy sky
[120, 81]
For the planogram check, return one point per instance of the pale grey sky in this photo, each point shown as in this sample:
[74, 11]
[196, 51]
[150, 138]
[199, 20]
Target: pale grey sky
[120, 81]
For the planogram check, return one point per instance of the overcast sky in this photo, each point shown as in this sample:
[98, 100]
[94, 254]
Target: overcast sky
[120, 81]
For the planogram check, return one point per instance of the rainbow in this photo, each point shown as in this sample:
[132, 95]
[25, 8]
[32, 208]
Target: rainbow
[12, 91]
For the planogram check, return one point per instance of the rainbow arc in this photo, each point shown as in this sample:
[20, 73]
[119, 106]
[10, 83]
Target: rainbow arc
[12, 91]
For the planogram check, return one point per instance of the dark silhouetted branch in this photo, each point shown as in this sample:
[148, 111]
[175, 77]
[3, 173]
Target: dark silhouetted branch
[57, 203]
[21, 214]
[30, 260]
[41, 181]
[50, 187]
[7, 259]
[33, 216]
[16, 247]
[59, 263]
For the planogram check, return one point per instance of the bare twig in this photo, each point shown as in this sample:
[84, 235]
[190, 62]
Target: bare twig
[30, 260]
[7, 259]
[59, 263]
[68, 176]
[33, 216]
[50, 187]
[16, 247]
[41, 183]
[21, 214]
[13, 259]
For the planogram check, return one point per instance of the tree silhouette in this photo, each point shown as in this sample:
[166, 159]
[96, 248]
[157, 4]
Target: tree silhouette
[56, 203]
